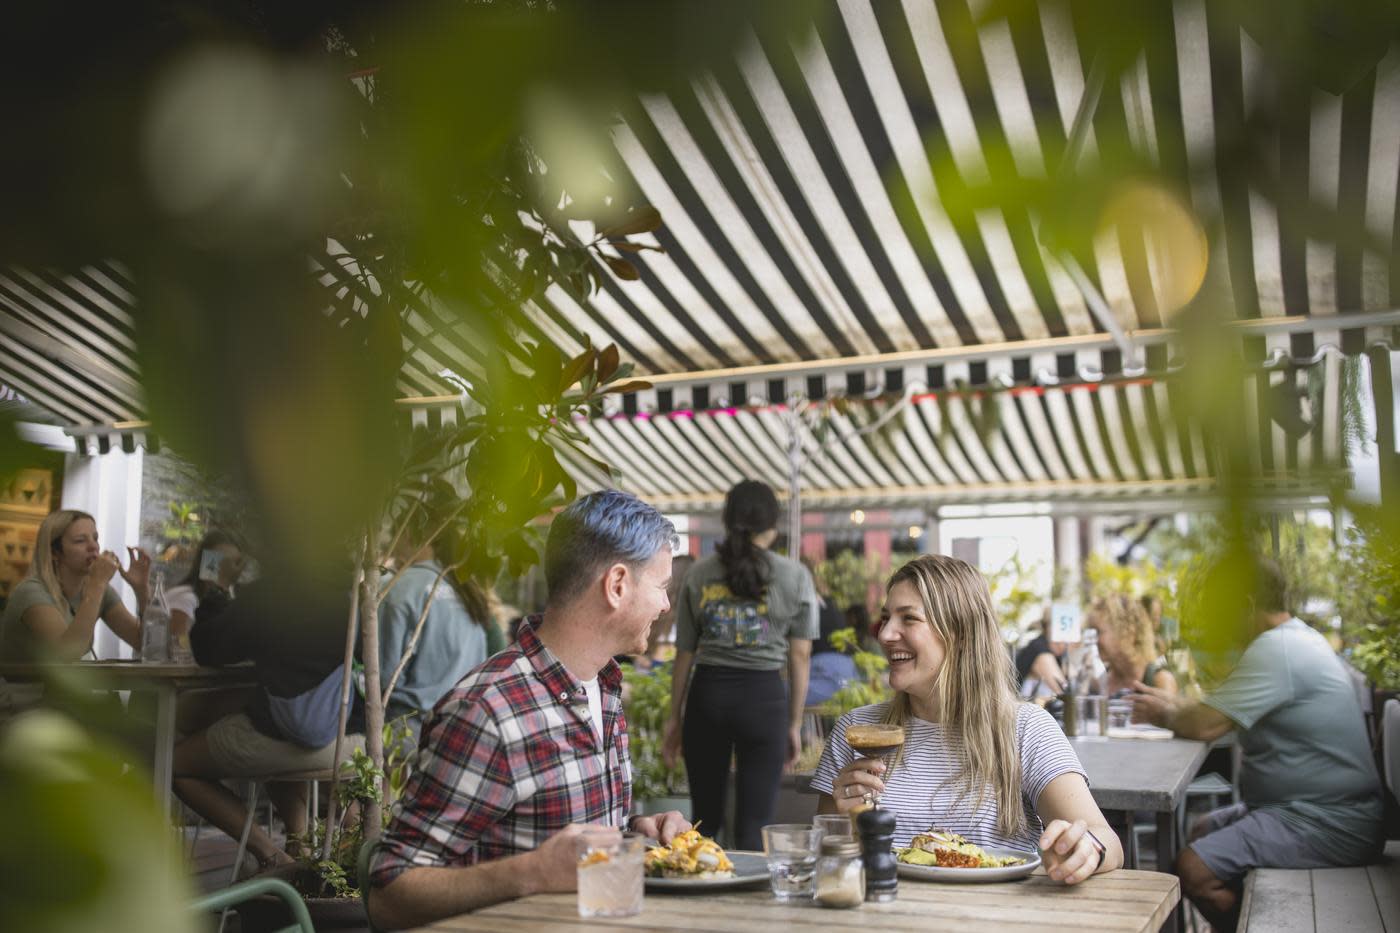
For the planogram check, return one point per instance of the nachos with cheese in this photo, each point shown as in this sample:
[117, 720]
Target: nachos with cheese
[944, 849]
[690, 855]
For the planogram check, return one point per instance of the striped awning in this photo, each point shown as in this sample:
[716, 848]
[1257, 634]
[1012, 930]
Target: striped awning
[967, 436]
[801, 188]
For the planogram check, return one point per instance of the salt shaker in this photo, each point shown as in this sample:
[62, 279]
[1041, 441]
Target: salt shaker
[881, 871]
[840, 873]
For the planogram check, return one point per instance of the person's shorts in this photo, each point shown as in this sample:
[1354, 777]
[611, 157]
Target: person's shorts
[1237, 839]
[240, 750]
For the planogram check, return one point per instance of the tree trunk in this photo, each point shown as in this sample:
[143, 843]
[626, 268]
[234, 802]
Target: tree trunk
[347, 687]
[369, 656]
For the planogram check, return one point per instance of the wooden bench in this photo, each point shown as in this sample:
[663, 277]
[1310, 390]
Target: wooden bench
[1321, 900]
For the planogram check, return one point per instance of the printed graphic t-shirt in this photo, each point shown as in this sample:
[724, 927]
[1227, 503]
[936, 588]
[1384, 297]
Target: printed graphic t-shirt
[726, 630]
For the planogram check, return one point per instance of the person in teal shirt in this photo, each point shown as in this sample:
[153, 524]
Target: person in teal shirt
[1311, 793]
[457, 635]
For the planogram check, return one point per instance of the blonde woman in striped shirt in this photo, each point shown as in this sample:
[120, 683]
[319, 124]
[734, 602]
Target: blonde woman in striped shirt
[975, 760]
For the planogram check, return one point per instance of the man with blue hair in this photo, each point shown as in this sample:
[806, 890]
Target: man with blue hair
[530, 747]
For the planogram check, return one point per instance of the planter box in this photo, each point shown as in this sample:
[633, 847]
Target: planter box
[327, 913]
[662, 804]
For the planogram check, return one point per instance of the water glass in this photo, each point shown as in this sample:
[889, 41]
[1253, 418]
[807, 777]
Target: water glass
[833, 824]
[1120, 714]
[610, 882]
[792, 850]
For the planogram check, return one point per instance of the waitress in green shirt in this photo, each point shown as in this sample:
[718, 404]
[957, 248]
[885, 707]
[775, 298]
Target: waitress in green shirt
[745, 615]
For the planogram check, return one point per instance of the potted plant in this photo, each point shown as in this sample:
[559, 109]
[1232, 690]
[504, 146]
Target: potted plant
[326, 875]
[655, 787]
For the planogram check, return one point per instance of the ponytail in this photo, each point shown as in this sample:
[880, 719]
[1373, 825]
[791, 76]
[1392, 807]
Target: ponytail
[750, 509]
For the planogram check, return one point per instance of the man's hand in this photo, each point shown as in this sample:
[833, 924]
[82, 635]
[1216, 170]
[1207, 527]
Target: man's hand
[671, 743]
[554, 867]
[1069, 851]
[1158, 707]
[794, 747]
[662, 827]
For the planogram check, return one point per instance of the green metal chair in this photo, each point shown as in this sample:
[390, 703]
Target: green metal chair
[257, 887]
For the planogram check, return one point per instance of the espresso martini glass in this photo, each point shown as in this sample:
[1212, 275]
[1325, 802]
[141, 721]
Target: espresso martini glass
[875, 740]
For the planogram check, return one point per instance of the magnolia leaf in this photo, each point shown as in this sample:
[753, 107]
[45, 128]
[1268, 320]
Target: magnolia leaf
[576, 367]
[636, 385]
[642, 220]
[624, 246]
[608, 361]
[622, 268]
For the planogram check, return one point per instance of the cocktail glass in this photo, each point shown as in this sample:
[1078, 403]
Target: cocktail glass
[876, 740]
[610, 882]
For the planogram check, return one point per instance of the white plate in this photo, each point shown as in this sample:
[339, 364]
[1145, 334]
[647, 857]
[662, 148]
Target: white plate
[750, 869]
[975, 875]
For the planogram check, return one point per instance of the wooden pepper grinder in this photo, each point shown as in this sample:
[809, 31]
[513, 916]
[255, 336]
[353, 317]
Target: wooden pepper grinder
[876, 828]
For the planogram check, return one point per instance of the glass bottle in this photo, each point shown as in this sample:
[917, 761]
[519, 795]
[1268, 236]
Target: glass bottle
[840, 873]
[155, 623]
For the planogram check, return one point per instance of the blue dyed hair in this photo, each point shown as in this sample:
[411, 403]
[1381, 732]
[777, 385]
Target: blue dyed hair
[597, 531]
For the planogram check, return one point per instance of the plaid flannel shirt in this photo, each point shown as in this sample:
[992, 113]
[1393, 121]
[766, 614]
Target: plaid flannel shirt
[509, 758]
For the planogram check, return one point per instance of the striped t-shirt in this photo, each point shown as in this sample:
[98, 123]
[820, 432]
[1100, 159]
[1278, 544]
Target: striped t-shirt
[922, 793]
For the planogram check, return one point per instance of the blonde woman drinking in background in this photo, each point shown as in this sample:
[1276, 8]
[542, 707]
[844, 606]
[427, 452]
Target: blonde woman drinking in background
[53, 613]
[975, 760]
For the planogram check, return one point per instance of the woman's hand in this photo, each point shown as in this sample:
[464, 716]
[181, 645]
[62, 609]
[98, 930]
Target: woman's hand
[856, 781]
[137, 574]
[794, 747]
[1070, 853]
[671, 743]
[230, 569]
[104, 568]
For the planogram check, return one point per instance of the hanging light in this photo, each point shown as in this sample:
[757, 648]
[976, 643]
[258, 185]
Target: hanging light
[857, 517]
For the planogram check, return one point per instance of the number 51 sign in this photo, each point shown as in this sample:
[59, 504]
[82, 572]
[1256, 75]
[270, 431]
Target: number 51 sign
[1066, 624]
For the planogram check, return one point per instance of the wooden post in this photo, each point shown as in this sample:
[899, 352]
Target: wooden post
[1383, 396]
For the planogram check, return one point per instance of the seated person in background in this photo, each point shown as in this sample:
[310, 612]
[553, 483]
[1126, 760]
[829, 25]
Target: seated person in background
[218, 563]
[53, 612]
[221, 573]
[831, 669]
[975, 760]
[293, 630]
[1127, 646]
[453, 639]
[530, 745]
[1038, 663]
[1311, 795]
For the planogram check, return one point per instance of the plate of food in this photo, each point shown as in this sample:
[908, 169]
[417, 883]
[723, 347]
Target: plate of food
[940, 855]
[693, 862]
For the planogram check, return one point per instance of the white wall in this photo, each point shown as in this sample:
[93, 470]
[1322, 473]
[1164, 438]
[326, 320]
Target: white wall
[108, 487]
[1032, 537]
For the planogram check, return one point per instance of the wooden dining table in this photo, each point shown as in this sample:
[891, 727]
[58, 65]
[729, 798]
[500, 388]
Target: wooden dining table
[165, 680]
[1121, 901]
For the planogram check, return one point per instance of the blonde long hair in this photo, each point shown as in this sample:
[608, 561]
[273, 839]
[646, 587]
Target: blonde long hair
[48, 545]
[976, 687]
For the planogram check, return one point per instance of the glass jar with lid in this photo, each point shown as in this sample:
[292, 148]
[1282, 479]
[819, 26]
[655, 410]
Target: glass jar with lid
[840, 878]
